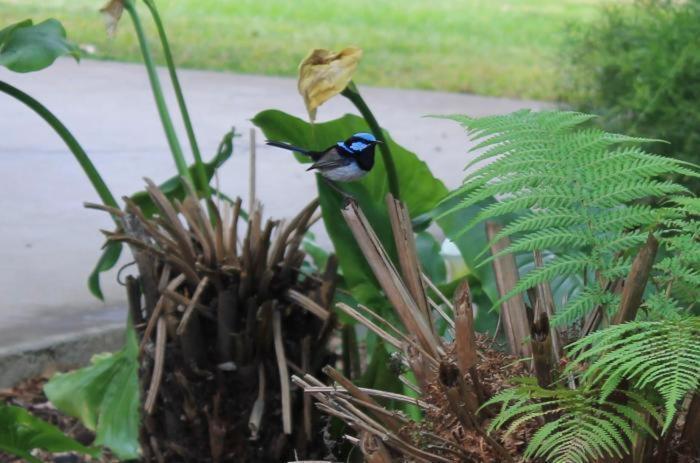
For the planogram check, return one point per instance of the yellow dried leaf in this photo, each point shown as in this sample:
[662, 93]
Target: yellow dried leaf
[112, 13]
[325, 73]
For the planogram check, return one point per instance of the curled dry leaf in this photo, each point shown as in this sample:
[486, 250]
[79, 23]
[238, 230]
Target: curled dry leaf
[325, 73]
[112, 13]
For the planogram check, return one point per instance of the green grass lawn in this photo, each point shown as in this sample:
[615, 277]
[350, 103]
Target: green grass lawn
[489, 47]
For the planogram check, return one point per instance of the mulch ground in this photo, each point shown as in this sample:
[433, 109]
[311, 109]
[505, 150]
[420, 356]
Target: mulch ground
[29, 395]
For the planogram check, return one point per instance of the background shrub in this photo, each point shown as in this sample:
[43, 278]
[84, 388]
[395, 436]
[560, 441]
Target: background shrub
[639, 68]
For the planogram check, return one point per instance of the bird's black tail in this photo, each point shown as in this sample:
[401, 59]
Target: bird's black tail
[287, 146]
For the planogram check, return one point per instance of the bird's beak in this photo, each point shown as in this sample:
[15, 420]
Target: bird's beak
[378, 142]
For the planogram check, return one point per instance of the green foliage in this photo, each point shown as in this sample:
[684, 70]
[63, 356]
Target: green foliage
[104, 396]
[577, 195]
[420, 191]
[638, 67]
[20, 433]
[679, 271]
[579, 426]
[510, 49]
[661, 355]
[430, 259]
[26, 47]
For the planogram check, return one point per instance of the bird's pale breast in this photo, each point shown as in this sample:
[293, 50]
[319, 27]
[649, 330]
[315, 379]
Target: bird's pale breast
[346, 173]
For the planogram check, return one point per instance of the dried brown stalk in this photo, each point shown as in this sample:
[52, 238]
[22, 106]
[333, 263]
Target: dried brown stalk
[408, 256]
[307, 303]
[636, 281]
[464, 329]
[284, 373]
[690, 434]
[546, 305]
[191, 306]
[513, 311]
[159, 359]
[409, 312]
[362, 396]
[370, 325]
[306, 366]
[373, 449]
[542, 351]
[222, 304]
[258, 409]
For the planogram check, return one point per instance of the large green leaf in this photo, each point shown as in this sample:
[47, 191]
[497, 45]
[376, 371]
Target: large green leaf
[26, 47]
[20, 433]
[431, 260]
[104, 397]
[470, 244]
[421, 191]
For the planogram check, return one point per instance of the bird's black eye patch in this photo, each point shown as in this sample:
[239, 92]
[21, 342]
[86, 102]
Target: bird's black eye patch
[344, 147]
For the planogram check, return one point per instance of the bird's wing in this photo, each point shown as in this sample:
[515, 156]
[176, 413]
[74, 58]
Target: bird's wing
[331, 159]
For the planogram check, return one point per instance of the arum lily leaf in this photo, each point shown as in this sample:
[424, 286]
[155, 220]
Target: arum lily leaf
[104, 397]
[28, 47]
[21, 432]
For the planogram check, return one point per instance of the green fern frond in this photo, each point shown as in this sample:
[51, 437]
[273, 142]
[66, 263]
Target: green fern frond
[565, 265]
[579, 427]
[573, 190]
[662, 355]
[623, 242]
[659, 306]
[540, 220]
[679, 271]
[583, 304]
[552, 239]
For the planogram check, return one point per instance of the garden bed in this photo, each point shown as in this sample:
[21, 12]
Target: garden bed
[29, 394]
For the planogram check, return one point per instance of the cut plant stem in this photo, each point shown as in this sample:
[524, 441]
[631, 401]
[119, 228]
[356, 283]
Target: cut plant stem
[389, 279]
[165, 119]
[283, 372]
[542, 351]
[636, 281]
[256, 413]
[546, 303]
[513, 311]
[404, 239]
[158, 363]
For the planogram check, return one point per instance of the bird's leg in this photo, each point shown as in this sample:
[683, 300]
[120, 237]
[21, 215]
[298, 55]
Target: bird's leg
[346, 197]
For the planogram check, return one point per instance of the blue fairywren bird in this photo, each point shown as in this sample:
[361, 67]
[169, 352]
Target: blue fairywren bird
[345, 161]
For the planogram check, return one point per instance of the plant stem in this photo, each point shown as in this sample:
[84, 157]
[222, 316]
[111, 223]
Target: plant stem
[80, 155]
[202, 184]
[170, 134]
[352, 94]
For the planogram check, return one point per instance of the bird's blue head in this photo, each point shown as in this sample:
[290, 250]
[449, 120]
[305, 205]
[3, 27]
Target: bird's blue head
[360, 147]
[359, 142]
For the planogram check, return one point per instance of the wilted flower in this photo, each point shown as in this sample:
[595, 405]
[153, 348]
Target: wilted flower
[111, 13]
[325, 73]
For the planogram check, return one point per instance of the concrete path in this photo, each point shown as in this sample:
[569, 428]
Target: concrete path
[49, 243]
